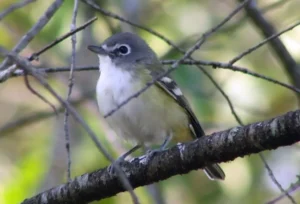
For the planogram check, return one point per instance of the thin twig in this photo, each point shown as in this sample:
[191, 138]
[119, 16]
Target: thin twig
[58, 40]
[70, 86]
[26, 39]
[255, 47]
[273, 178]
[291, 189]
[14, 7]
[38, 94]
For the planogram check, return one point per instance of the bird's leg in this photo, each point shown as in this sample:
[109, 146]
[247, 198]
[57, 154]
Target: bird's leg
[122, 158]
[166, 143]
[124, 155]
[162, 147]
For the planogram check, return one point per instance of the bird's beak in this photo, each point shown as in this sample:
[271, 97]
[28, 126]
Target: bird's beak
[98, 49]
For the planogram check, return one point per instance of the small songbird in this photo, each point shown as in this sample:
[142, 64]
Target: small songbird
[157, 116]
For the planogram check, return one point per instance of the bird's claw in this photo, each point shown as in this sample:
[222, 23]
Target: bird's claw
[112, 168]
[151, 153]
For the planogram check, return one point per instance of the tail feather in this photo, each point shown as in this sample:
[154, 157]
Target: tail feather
[214, 171]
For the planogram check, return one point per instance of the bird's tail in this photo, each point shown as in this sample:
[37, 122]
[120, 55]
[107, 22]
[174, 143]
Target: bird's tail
[214, 171]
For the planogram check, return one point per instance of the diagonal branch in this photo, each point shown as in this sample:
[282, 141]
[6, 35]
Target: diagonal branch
[219, 147]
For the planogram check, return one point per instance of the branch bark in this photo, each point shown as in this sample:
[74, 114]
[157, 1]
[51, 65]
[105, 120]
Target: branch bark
[219, 147]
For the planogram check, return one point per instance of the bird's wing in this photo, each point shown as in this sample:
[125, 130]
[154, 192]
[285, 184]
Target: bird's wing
[171, 88]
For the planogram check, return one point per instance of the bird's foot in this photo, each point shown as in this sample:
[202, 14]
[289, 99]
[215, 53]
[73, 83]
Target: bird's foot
[121, 159]
[117, 163]
[152, 152]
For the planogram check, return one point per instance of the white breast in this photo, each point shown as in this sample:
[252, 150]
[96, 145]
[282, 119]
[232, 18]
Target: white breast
[133, 121]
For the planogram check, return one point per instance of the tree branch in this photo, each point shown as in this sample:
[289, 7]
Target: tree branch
[219, 147]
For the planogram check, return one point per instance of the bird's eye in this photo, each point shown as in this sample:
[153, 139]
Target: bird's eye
[124, 49]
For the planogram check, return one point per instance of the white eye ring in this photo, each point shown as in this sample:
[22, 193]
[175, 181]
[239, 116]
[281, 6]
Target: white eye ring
[124, 49]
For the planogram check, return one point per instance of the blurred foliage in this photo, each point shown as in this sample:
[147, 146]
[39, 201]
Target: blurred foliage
[33, 158]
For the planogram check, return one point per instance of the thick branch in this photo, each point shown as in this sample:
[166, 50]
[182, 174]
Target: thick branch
[219, 147]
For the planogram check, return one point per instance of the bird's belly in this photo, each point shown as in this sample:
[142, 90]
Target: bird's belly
[145, 119]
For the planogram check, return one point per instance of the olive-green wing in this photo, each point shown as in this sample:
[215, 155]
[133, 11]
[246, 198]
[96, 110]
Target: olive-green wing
[171, 88]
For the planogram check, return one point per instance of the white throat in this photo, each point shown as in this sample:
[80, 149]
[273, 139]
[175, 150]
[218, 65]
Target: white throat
[114, 85]
[104, 63]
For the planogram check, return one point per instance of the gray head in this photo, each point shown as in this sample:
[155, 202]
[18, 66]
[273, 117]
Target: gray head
[125, 49]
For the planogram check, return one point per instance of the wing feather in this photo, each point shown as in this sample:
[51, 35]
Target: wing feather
[174, 91]
[171, 88]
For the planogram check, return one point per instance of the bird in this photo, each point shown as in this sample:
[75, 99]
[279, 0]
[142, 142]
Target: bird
[159, 115]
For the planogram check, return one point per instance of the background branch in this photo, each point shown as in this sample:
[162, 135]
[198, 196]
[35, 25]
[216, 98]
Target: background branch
[268, 30]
